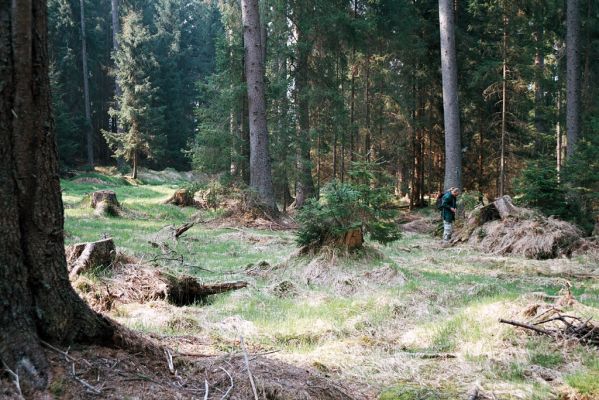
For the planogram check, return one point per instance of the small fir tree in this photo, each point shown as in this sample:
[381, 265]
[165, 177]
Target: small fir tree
[365, 203]
[139, 114]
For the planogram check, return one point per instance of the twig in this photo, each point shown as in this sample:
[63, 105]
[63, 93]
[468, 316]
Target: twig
[247, 366]
[531, 327]
[256, 355]
[65, 354]
[206, 389]
[169, 360]
[230, 387]
[91, 388]
[15, 377]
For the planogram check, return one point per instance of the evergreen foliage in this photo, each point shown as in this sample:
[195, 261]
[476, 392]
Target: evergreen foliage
[365, 203]
[139, 115]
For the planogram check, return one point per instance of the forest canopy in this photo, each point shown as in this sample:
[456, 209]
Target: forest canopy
[345, 81]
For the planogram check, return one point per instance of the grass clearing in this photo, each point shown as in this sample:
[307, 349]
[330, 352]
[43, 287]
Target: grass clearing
[380, 319]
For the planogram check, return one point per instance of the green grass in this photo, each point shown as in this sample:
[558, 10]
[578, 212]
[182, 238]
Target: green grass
[373, 334]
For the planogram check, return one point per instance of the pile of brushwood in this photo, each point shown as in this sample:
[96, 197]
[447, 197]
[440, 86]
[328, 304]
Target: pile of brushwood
[552, 321]
[503, 228]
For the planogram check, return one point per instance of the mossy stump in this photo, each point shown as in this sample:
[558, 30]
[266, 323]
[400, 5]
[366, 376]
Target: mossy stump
[105, 203]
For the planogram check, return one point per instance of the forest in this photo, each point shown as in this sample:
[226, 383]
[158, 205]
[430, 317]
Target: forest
[344, 81]
[299, 199]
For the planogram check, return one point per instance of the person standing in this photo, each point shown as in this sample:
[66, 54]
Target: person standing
[448, 210]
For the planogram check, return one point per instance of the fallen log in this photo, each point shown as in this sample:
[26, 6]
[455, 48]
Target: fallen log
[183, 228]
[82, 257]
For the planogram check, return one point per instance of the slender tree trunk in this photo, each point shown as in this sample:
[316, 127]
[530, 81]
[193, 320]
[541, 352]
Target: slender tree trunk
[539, 97]
[88, 119]
[305, 183]
[260, 171]
[352, 109]
[453, 147]
[367, 138]
[573, 75]
[587, 90]
[36, 297]
[134, 169]
[503, 109]
[244, 131]
[116, 30]
[558, 126]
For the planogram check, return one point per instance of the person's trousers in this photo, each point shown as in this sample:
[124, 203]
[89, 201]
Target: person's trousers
[447, 230]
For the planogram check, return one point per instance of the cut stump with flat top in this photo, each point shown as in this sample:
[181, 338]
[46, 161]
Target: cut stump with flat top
[82, 257]
[105, 203]
[104, 195]
[181, 198]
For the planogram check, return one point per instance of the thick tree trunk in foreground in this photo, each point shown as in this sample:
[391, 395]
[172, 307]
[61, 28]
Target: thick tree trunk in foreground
[573, 75]
[449, 66]
[260, 171]
[36, 297]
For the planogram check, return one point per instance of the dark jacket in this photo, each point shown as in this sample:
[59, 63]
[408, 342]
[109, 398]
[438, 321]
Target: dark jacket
[448, 202]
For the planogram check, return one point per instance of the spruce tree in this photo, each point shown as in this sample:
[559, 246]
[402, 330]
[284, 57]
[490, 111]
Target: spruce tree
[141, 117]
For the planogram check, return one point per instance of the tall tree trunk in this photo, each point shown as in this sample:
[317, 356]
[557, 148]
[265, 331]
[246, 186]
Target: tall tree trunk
[116, 30]
[503, 109]
[88, 118]
[587, 89]
[260, 171]
[367, 137]
[352, 108]
[244, 130]
[449, 69]
[36, 297]
[573, 75]
[305, 183]
[539, 97]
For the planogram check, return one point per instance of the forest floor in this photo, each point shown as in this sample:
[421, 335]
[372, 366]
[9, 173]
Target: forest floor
[411, 320]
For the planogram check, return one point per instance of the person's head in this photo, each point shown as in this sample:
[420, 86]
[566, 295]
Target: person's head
[455, 191]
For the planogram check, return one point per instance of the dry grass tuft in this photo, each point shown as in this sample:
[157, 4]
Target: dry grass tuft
[537, 238]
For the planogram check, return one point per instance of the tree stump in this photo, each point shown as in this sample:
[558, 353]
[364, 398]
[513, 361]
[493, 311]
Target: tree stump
[353, 239]
[105, 203]
[181, 198]
[505, 207]
[82, 257]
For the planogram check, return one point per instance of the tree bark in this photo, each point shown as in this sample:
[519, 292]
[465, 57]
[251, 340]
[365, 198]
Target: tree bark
[36, 298]
[116, 30]
[573, 75]
[503, 109]
[539, 117]
[453, 147]
[89, 134]
[260, 171]
[305, 183]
